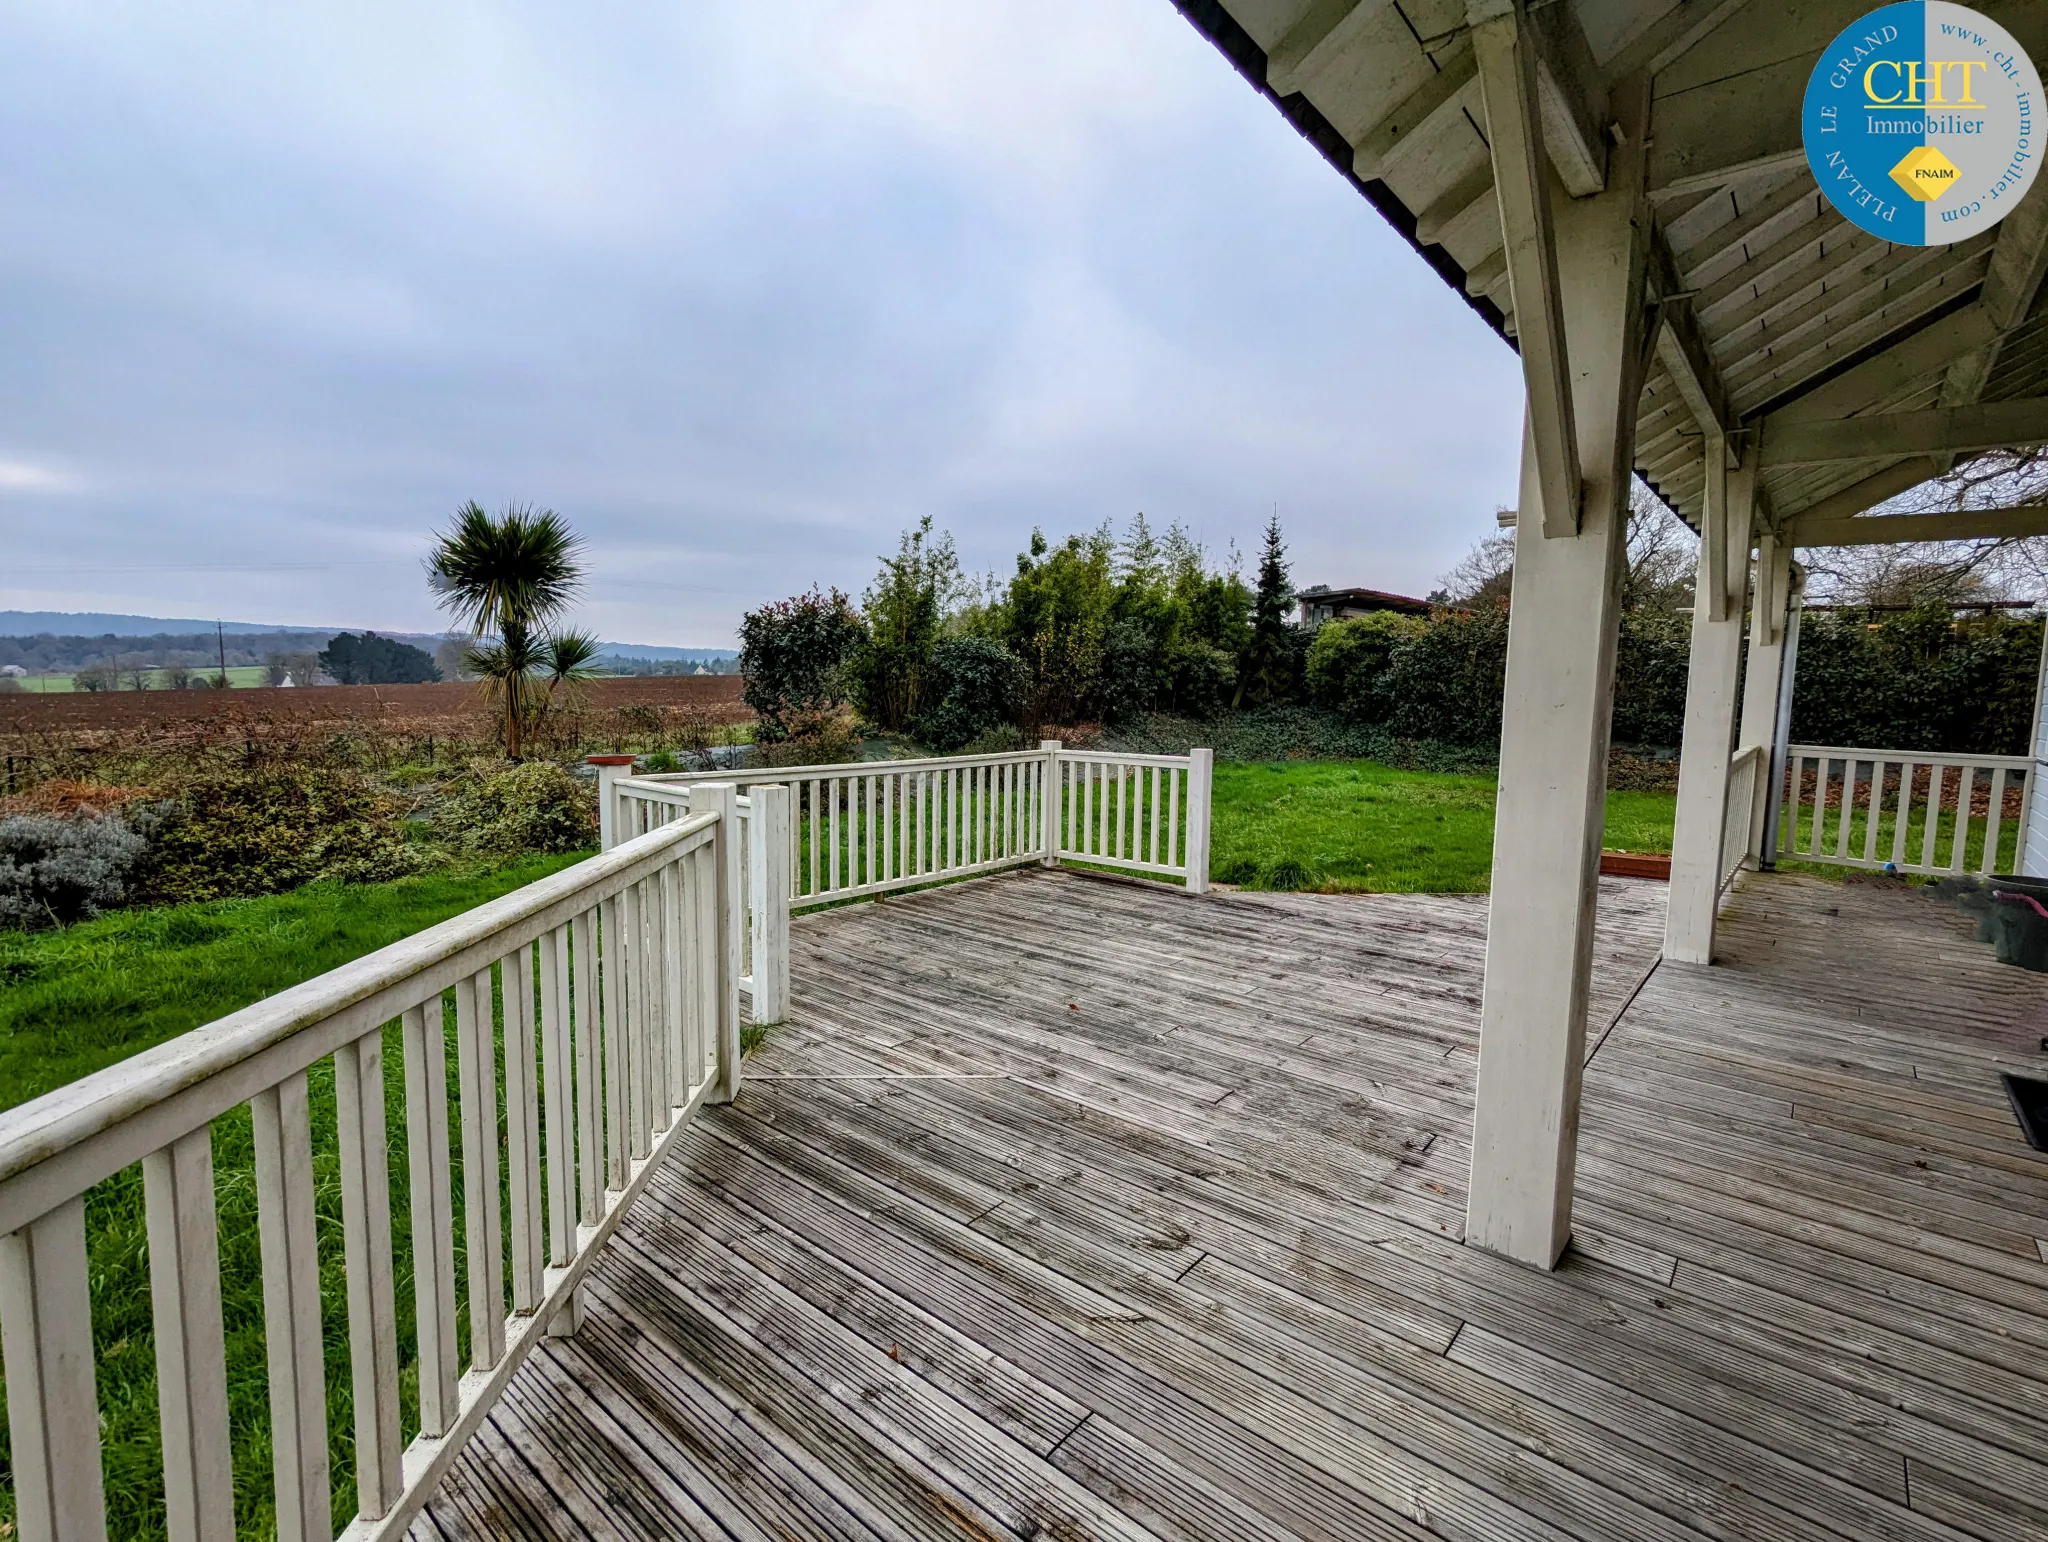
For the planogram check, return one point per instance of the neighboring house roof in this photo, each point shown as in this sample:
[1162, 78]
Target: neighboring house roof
[1323, 597]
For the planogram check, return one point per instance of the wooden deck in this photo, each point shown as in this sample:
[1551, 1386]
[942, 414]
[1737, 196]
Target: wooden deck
[1067, 1209]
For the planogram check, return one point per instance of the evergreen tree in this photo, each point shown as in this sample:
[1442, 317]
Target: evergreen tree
[1272, 661]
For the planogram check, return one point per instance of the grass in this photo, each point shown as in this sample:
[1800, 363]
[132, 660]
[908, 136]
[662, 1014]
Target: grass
[74, 1001]
[240, 677]
[1352, 826]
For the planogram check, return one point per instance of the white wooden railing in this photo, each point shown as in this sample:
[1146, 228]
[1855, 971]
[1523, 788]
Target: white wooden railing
[604, 996]
[632, 806]
[1913, 812]
[876, 826]
[1746, 777]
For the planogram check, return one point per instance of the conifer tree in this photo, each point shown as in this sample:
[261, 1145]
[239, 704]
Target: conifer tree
[1272, 661]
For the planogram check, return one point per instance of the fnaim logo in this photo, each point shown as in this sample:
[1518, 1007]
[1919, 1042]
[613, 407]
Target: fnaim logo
[1922, 122]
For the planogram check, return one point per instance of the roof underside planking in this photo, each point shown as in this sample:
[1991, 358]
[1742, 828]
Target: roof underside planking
[1776, 309]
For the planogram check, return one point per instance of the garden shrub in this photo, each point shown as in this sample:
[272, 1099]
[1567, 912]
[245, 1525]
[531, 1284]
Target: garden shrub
[1918, 680]
[1126, 681]
[274, 828]
[1446, 683]
[809, 739]
[536, 806]
[1349, 659]
[1652, 653]
[57, 871]
[980, 688]
[794, 654]
[1204, 678]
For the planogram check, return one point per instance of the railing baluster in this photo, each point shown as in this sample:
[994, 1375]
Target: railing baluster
[53, 1412]
[611, 958]
[654, 999]
[291, 1311]
[1994, 819]
[1935, 780]
[587, 1009]
[1173, 835]
[191, 1352]
[705, 953]
[483, 1228]
[1966, 787]
[676, 1077]
[1848, 808]
[372, 1296]
[432, 1207]
[558, 1080]
[1875, 812]
[522, 1132]
[817, 839]
[1902, 813]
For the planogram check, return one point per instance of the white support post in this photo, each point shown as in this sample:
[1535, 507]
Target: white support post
[2034, 853]
[53, 1415]
[1554, 739]
[1710, 687]
[722, 798]
[768, 878]
[609, 769]
[1201, 776]
[1049, 804]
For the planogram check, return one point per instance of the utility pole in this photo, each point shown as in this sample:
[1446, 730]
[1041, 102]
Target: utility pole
[220, 640]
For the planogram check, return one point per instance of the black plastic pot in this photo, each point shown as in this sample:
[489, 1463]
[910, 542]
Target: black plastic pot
[2020, 931]
[1979, 905]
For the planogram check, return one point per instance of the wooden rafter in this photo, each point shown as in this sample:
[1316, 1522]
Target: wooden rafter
[1507, 78]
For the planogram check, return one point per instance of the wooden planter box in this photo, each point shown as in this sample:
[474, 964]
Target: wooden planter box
[1626, 864]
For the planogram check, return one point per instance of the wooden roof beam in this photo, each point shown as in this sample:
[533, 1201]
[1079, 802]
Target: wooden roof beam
[1682, 347]
[1514, 123]
[2018, 262]
[1321, 33]
[1866, 384]
[1380, 147]
[1939, 431]
[1574, 98]
[1960, 525]
[1663, 42]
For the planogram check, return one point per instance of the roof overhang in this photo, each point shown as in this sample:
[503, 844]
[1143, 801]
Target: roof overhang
[1772, 311]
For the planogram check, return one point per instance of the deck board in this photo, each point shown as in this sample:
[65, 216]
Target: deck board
[1064, 1208]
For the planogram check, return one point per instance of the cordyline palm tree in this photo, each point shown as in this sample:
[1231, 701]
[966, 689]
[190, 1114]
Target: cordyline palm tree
[508, 580]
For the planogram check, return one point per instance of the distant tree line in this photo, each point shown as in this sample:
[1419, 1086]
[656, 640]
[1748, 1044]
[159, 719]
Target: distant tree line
[1091, 628]
[1100, 629]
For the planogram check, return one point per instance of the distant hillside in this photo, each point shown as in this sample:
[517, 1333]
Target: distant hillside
[650, 651]
[92, 623]
[46, 641]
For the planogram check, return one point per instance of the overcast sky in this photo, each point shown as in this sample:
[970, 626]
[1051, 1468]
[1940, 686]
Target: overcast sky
[740, 289]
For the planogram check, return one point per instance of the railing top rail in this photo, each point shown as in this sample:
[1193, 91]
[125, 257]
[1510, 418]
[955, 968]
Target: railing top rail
[1120, 758]
[842, 768]
[1918, 757]
[62, 1119]
[654, 780]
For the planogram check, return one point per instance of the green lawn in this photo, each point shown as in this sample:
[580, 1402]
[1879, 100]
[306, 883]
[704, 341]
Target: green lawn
[73, 1001]
[1357, 825]
[240, 677]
